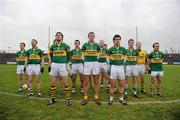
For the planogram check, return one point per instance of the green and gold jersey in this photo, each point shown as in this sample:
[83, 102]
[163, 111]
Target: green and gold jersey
[21, 57]
[117, 55]
[131, 57]
[34, 56]
[90, 52]
[103, 53]
[156, 60]
[60, 53]
[76, 56]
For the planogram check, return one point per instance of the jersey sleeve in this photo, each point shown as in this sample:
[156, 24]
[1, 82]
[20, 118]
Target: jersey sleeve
[68, 52]
[17, 54]
[98, 48]
[150, 56]
[27, 54]
[41, 54]
[71, 53]
[109, 51]
[125, 51]
[84, 47]
[162, 55]
[137, 53]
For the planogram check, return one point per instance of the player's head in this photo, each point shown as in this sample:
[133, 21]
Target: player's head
[22, 45]
[117, 39]
[101, 43]
[91, 36]
[139, 45]
[34, 43]
[156, 46]
[59, 36]
[131, 43]
[77, 43]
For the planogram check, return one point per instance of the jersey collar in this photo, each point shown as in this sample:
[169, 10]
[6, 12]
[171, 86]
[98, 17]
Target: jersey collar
[34, 48]
[59, 44]
[116, 47]
[77, 48]
[130, 50]
[91, 43]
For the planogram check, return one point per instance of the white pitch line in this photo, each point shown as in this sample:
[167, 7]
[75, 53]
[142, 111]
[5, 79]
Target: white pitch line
[77, 101]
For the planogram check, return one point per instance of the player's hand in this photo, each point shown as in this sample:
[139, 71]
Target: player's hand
[49, 69]
[148, 69]
[24, 70]
[42, 70]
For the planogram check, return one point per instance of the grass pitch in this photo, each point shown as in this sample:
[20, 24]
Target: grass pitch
[15, 107]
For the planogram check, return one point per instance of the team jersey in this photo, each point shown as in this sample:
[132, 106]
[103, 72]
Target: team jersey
[76, 56]
[60, 53]
[34, 56]
[90, 52]
[20, 57]
[117, 55]
[142, 57]
[131, 57]
[156, 59]
[103, 53]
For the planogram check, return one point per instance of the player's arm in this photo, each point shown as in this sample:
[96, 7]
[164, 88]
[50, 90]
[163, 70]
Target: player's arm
[83, 51]
[148, 68]
[26, 61]
[71, 55]
[108, 56]
[68, 53]
[125, 55]
[42, 59]
[50, 59]
[146, 58]
[162, 57]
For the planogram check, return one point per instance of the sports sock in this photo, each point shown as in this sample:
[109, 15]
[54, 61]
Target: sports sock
[67, 92]
[53, 92]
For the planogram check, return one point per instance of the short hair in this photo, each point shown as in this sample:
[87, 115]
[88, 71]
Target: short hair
[155, 44]
[59, 33]
[23, 43]
[115, 36]
[91, 33]
[130, 40]
[138, 42]
[77, 41]
[34, 40]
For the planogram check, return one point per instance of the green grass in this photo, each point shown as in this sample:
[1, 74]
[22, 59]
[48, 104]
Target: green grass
[15, 108]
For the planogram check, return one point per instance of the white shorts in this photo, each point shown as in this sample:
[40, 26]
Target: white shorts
[131, 70]
[33, 69]
[103, 67]
[77, 68]
[20, 69]
[59, 69]
[117, 72]
[91, 68]
[141, 69]
[157, 73]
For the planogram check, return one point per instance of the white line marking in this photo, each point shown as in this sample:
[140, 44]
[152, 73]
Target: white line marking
[77, 101]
